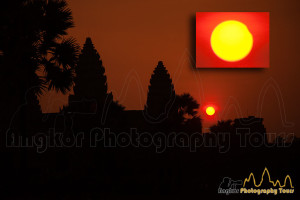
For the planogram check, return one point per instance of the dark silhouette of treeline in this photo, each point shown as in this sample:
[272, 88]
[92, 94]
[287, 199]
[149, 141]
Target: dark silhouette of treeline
[40, 158]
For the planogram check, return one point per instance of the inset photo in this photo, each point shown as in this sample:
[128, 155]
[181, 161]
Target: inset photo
[232, 40]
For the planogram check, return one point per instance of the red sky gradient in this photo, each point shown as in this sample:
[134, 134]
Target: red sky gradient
[132, 36]
[258, 25]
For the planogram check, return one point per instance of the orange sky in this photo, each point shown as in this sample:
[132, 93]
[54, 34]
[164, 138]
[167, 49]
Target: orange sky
[132, 36]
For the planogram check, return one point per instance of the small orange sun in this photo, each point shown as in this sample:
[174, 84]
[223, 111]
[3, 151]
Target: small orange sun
[210, 111]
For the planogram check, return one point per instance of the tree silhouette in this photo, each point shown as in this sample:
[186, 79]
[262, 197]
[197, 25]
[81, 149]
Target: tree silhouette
[184, 113]
[161, 93]
[186, 107]
[222, 127]
[34, 53]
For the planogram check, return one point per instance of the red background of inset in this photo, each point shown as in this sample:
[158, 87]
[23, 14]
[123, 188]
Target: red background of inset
[258, 25]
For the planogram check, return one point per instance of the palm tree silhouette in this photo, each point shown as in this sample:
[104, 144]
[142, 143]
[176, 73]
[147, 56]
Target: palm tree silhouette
[34, 54]
[186, 106]
[222, 127]
[184, 113]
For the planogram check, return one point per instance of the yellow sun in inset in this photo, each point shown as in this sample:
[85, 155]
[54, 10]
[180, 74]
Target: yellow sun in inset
[210, 111]
[231, 41]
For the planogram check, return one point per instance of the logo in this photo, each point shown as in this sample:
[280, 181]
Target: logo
[229, 186]
[265, 186]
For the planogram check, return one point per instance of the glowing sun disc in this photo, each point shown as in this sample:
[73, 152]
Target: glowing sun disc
[231, 41]
[210, 111]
